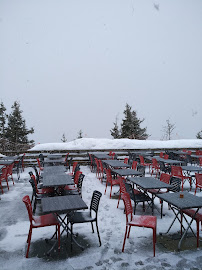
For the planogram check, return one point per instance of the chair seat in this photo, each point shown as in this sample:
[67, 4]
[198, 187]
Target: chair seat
[45, 220]
[81, 217]
[191, 212]
[143, 221]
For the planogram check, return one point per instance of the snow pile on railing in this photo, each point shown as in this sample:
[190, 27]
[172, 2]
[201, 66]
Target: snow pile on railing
[93, 143]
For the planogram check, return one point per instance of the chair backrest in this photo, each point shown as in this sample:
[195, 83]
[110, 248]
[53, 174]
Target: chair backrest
[76, 176]
[113, 155]
[165, 178]
[37, 174]
[126, 160]
[200, 161]
[4, 173]
[161, 154]
[80, 183]
[95, 201]
[41, 158]
[141, 160]
[109, 175]
[28, 205]
[10, 169]
[198, 178]
[122, 186]
[74, 166]
[154, 162]
[198, 152]
[33, 187]
[176, 171]
[34, 181]
[128, 206]
[134, 165]
[66, 157]
[39, 163]
[141, 169]
[175, 183]
[130, 191]
[166, 156]
[101, 165]
[110, 153]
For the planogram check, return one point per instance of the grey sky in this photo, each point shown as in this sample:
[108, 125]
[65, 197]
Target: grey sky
[74, 64]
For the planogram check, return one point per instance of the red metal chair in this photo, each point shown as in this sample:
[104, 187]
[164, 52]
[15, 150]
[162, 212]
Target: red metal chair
[101, 168]
[75, 163]
[122, 190]
[3, 177]
[137, 221]
[177, 172]
[76, 179]
[143, 163]
[134, 165]
[155, 167]
[161, 154]
[199, 152]
[111, 181]
[97, 168]
[40, 167]
[40, 221]
[166, 156]
[200, 161]
[10, 171]
[126, 160]
[198, 181]
[197, 218]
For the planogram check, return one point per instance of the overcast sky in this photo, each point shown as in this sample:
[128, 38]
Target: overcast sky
[75, 64]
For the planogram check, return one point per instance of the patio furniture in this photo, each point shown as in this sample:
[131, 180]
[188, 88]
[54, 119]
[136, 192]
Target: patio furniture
[179, 202]
[3, 177]
[198, 182]
[177, 172]
[86, 217]
[137, 196]
[39, 222]
[60, 206]
[111, 181]
[137, 221]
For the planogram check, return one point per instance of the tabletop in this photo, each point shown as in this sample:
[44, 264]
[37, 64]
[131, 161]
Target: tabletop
[53, 170]
[101, 156]
[126, 172]
[114, 163]
[62, 204]
[56, 180]
[188, 201]
[54, 156]
[192, 168]
[6, 162]
[148, 182]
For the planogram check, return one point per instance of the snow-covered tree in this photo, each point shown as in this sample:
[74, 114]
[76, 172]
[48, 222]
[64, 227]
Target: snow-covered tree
[130, 127]
[17, 131]
[115, 130]
[3, 118]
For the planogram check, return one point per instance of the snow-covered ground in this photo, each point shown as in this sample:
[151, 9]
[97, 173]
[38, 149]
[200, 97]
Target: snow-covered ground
[14, 226]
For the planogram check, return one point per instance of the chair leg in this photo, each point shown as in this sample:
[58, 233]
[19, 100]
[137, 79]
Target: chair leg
[92, 227]
[29, 242]
[98, 234]
[129, 232]
[154, 240]
[58, 230]
[71, 236]
[197, 229]
[124, 238]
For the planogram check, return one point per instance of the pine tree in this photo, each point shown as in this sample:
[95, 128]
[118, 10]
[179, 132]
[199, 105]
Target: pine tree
[3, 118]
[130, 127]
[115, 130]
[17, 131]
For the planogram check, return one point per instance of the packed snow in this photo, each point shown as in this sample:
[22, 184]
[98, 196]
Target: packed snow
[92, 143]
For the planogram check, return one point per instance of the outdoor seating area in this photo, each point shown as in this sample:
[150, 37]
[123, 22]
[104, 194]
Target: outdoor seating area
[114, 194]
